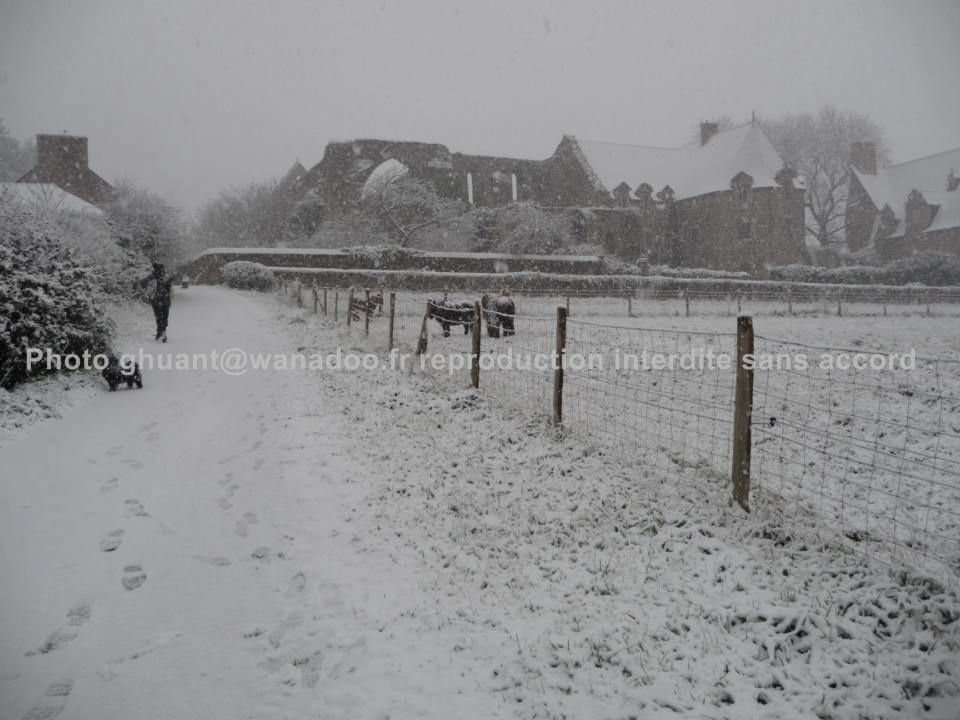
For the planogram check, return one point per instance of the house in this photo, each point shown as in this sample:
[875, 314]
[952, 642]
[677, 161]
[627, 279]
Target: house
[904, 209]
[47, 197]
[62, 160]
[726, 200]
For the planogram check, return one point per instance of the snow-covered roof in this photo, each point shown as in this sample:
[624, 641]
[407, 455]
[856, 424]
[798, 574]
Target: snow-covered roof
[47, 197]
[891, 186]
[691, 169]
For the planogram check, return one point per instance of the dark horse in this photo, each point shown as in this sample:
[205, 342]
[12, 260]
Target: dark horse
[448, 314]
[499, 312]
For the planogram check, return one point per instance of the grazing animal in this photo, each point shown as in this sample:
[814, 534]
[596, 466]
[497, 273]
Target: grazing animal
[449, 314]
[116, 373]
[499, 312]
[360, 305]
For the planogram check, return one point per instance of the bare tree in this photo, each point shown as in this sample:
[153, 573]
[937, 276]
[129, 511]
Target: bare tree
[146, 223]
[407, 206]
[818, 146]
[250, 216]
[16, 158]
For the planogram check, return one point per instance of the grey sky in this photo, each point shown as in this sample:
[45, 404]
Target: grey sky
[190, 97]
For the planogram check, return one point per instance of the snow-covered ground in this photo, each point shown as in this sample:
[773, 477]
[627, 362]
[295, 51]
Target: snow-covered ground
[392, 544]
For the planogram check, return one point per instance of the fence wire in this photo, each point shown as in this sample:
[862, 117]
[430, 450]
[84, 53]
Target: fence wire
[675, 413]
[869, 456]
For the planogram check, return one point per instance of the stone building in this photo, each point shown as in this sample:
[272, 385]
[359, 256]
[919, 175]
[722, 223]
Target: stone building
[63, 160]
[904, 209]
[724, 201]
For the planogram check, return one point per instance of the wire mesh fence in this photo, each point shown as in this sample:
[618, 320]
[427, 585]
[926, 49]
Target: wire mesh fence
[856, 447]
[662, 392]
[862, 446]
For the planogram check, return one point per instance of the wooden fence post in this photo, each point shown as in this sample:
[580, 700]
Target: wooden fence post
[789, 301]
[686, 298]
[743, 413]
[393, 306]
[366, 314]
[739, 305]
[475, 358]
[316, 299]
[558, 359]
[422, 341]
[568, 304]
[630, 305]
[299, 294]
[336, 304]
[839, 305]
[350, 307]
[324, 302]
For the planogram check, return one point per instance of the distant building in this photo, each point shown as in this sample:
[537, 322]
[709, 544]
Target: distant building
[906, 208]
[62, 160]
[47, 197]
[724, 201]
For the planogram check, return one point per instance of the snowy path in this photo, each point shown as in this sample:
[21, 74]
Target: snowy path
[187, 551]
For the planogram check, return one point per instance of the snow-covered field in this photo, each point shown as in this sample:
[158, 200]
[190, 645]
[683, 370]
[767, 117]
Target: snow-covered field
[392, 544]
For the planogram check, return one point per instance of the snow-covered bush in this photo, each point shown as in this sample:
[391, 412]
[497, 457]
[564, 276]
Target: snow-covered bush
[934, 269]
[703, 273]
[245, 275]
[49, 297]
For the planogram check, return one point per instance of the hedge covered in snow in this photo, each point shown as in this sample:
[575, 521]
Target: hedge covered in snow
[245, 275]
[932, 269]
[49, 296]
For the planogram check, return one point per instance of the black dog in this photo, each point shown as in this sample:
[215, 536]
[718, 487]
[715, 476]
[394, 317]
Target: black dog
[449, 314]
[499, 312]
[116, 373]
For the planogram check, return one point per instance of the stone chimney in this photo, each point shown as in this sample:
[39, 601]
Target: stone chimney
[707, 131]
[63, 161]
[863, 156]
[66, 154]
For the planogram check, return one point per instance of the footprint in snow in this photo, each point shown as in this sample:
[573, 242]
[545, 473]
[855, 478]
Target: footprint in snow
[115, 451]
[240, 529]
[112, 541]
[134, 508]
[77, 616]
[54, 701]
[251, 518]
[109, 485]
[258, 464]
[226, 479]
[133, 577]
[224, 504]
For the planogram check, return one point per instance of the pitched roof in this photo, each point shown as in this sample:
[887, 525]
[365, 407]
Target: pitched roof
[47, 197]
[293, 176]
[892, 184]
[691, 169]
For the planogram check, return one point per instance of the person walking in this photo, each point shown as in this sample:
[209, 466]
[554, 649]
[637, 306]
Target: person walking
[160, 295]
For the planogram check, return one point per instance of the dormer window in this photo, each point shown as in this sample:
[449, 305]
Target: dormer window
[741, 184]
[621, 194]
[643, 194]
